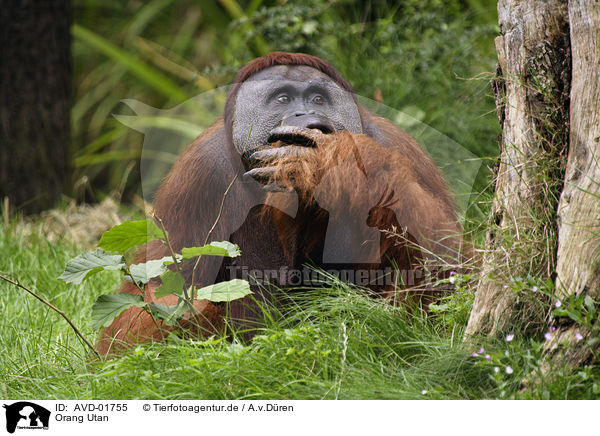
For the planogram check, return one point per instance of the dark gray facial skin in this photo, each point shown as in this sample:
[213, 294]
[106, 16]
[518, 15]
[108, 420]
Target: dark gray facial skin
[292, 95]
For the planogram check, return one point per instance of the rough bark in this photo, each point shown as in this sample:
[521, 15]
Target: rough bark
[35, 80]
[578, 258]
[578, 267]
[532, 93]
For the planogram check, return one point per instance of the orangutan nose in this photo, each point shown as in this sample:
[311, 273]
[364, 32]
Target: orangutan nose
[309, 121]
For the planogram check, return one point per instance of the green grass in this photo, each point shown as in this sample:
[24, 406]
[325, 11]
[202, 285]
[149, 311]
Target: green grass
[320, 344]
[40, 355]
[333, 344]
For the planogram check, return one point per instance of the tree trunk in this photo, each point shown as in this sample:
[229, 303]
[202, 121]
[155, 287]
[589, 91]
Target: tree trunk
[578, 259]
[532, 91]
[35, 81]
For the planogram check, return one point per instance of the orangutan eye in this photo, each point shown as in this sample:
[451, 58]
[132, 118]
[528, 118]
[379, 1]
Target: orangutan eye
[283, 98]
[318, 99]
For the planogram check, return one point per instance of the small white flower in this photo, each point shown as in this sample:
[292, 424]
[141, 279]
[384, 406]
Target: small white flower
[578, 336]
[510, 337]
[534, 289]
[548, 336]
[488, 357]
[496, 369]
[452, 279]
[558, 303]
[509, 370]
[423, 392]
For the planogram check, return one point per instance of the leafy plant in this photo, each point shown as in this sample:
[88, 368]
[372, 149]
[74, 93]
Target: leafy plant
[111, 256]
[454, 309]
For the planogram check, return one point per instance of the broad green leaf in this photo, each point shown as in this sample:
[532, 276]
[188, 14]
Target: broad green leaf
[223, 248]
[108, 307]
[142, 273]
[100, 142]
[144, 123]
[172, 283]
[88, 264]
[560, 312]
[105, 157]
[130, 234]
[224, 291]
[438, 307]
[233, 250]
[589, 304]
[169, 314]
[574, 315]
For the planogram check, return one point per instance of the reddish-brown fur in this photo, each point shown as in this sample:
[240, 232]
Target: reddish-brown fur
[427, 217]
[414, 196]
[342, 156]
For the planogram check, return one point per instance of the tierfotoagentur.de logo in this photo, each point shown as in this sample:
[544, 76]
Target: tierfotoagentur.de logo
[26, 416]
